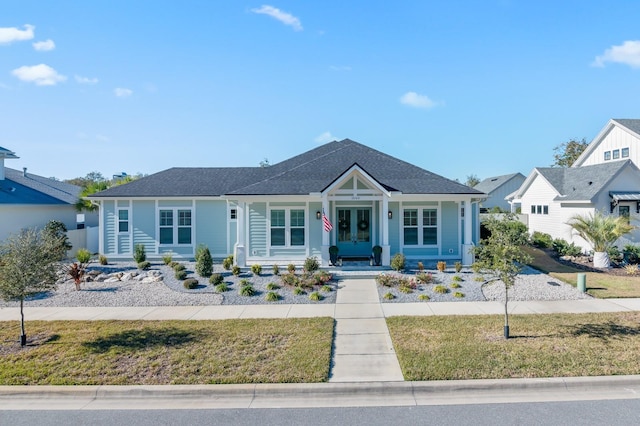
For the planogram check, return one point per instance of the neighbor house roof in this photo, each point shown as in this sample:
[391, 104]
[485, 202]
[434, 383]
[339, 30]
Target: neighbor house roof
[20, 187]
[491, 184]
[5, 153]
[309, 172]
[579, 183]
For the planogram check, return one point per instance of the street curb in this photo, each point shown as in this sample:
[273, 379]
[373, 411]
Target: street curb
[318, 390]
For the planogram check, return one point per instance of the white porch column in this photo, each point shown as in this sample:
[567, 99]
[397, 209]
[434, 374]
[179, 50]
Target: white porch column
[326, 236]
[467, 247]
[239, 251]
[384, 218]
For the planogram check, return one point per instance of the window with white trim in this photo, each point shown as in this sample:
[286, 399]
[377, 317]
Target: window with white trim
[420, 227]
[175, 226]
[233, 214]
[616, 154]
[539, 209]
[607, 155]
[287, 227]
[123, 220]
[625, 152]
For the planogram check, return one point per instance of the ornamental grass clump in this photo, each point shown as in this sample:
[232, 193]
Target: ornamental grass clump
[222, 287]
[315, 296]
[424, 278]
[388, 296]
[272, 296]
[272, 286]
[256, 269]
[247, 290]
[298, 291]
[235, 270]
[458, 267]
[167, 258]
[440, 289]
[424, 297]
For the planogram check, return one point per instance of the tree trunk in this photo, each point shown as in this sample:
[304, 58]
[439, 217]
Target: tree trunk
[23, 335]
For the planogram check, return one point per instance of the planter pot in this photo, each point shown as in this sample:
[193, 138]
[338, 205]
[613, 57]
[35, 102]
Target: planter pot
[601, 260]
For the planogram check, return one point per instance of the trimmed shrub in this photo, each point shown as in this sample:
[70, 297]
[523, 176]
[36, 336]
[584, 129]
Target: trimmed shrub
[541, 239]
[311, 265]
[167, 258]
[144, 265]
[256, 269]
[398, 262]
[190, 283]
[181, 274]
[178, 267]
[102, 259]
[139, 253]
[83, 255]
[216, 279]
[204, 262]
[227, 263]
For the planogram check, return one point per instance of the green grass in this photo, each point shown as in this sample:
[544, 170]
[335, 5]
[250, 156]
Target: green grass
[167, 352]
[473, 347]
[599, 284]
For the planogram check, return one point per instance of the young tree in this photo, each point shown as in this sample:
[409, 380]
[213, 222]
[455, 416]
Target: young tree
[568, 152]
[472, 180]
[28, 265]
[55, 232]
[601, 231]
[500, 256]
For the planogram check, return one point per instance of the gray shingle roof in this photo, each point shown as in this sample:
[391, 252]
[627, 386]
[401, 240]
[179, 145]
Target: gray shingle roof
[629, 123]
[491, 184]
[33, 189]
[582, 183]
[312, 171]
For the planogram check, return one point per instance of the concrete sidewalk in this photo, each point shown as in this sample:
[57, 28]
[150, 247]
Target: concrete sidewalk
[310, 310]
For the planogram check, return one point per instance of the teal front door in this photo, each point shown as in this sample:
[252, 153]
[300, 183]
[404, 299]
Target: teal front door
[354, 232]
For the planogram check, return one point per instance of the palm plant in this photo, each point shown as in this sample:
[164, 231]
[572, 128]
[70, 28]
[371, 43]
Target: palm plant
[601, 231]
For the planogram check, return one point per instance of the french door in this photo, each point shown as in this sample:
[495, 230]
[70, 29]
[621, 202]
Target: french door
[353, 233]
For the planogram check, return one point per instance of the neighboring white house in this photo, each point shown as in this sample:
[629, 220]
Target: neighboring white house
[497, 189]
[605, 177]
[31, 201]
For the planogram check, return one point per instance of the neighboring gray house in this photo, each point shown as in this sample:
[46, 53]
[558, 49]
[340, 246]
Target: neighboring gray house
[28, 200]
[605, 177]
[274, 214]
[497, 189]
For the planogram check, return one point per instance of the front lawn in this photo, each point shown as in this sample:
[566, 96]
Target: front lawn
[167, 352]
[602, 285]
[473, 347]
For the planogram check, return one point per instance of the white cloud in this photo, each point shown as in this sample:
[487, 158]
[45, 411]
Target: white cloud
[44, 46]
[121, 92]
[11, 34]
[284, 17]
[85, 80]
[628, 53]
[417, 101]
[325, 137]
[41, 75]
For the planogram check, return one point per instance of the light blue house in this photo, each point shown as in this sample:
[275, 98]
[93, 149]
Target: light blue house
[274, 215]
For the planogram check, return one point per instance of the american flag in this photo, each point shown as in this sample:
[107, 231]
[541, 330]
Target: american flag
[326, 222]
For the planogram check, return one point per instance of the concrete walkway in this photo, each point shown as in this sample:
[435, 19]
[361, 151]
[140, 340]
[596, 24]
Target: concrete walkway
[362, 347]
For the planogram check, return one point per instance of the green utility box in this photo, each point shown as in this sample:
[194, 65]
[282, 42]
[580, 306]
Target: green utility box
[582, 282]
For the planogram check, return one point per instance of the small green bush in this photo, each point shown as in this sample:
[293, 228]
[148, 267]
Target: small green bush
[83, 255]
[454, 285]
[139, 253]
[216, 279]
[298, 291]
[102, 259]
[181, 275]
[222, 287]
[173, 264]
[204, 262]
[272, 296]
[247, 290]
[458, 294]
[244, 281]
[388, 296]
[386, 280]
[167, 258]
[457, 278]
[424, 277]
[311, 265]
[291, 268]
[190, 283]
[458, 266]
[322, 277]
[272, 286]
[290, 280]
[276, 269]
[235, 270]
[315, 296]
[398, 262]
[441, 289]
[227, 263]
[405, 289]
[179, 267]
[541, 239]
[563, 248]
[326, 288]
[424, 297]
[144, 265]
[256, 269]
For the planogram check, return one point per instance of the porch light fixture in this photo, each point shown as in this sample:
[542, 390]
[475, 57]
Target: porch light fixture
[318, 215]
[390, 214]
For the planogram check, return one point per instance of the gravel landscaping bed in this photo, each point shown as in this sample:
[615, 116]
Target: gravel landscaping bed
[159, 287]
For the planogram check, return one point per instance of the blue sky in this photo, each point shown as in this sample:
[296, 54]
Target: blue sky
[456, 87]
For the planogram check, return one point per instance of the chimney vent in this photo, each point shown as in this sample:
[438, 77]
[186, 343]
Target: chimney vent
[24, 171]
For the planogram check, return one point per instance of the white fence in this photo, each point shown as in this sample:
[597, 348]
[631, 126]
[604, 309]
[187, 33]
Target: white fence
[83, 238]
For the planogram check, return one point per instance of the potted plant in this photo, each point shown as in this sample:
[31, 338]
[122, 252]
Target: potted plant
[333, 255]
[377, 255]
